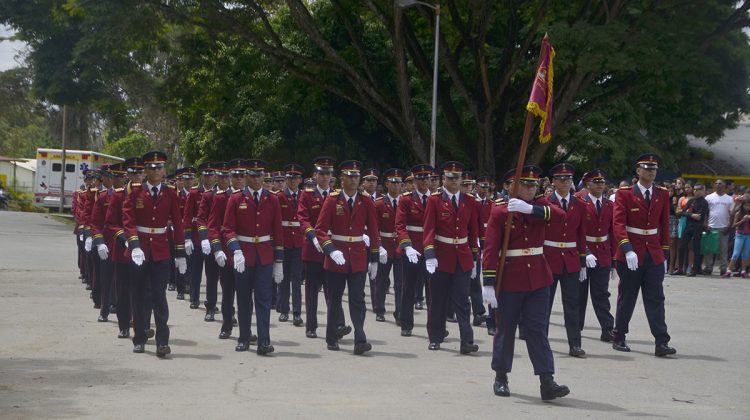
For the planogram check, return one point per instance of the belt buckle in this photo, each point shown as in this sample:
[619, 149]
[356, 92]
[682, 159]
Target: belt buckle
[152, 230]
[526, 251]
[561, 245]
[455, 241]
[255, 239]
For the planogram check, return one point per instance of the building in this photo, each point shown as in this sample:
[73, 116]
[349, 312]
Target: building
[17, 174]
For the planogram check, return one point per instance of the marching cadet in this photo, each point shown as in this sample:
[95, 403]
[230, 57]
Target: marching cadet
[468, 186]
[408, 180]
[221, 175]
[486, 204]
[252, 228]
[435, 181]
[146, 212]
[308, 211]
[279, 181]
[641, 229]
[369, 185]
[410, 233]
[565, 250]
[450, 247]
[106, 268]
[293, 241]
[268, 180]
[370, 178]
[526, 280]
[221, 253]
[385, 209]
[92, 262]
[186, 178]
[345, 215]
[76, 207]
[190, 222]
[599, 263]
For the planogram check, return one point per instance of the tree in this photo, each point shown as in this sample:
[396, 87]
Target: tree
[23, 121]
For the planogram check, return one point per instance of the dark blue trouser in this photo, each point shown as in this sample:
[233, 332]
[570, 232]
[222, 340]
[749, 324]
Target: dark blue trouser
[475, 292]
[226, 276]
[292, 282]
[106, 272]
[413, 275]
[569, 286]
[148, 284]
[532, 309]
[648, 278]
[255, 281]
[122, 281]
[212, 281]
[382, 283]
[195, 262]
[337, 282]
[448, 289]
[315, 279]
[597, 279]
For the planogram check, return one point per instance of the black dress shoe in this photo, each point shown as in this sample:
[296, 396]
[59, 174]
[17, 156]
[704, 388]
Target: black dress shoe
[297, 321]
[576, 351]
[491, 331]
[380, 318]
[180, 296]
[112, 309]
[446, 334]
[311, 334]
[150, 333]
[264, 349]
[550, 389]
[253, 338]
[451, 318]
[362, 348]
[234, 322]
[664, 350]
[88, 287]
[139, 348]
[123, 334]
[405, 333]
[397, 318]
[342, 332]
[224, 335]
[333, 347]
[194, 305]
[209, 316]
[500, 387]
[419, 306]
[241, 346]
[97, 306]
[283, 317]
[620, 345]
[163, 351]
[479, 319]
[101, 318]
[606, 336]
[467, 348]
[171, 287]
[433, 346]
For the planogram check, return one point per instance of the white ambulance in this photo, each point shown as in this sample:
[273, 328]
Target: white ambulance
[49, 171]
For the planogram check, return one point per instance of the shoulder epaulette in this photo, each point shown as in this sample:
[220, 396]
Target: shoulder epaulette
[500, 201]
[172, 187]
[238, 191]
[220, 192]
[93, 190]
[119, 189]
[333, 194]
[406, 194]
[309, 190]
[195, 187]
[436, 193]
[625, 188]
[135, 184]
[273, 192]
[379, 198]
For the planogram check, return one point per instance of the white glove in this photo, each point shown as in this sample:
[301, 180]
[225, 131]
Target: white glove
[221, 258]
[382, 255]
[431, 265]
[665, 267]
[88, 243]
[582, 275]
[520, 206]
[103, 251]
[591, 261]
[474, 271]
[278, 272]
[338, 257]
[80, 237]
[137, 256]
[239, 261]
[188, 246]
[372, 270]
[181, 263]
[612, 273]
[127, 245]
[366, 239]
[316, 243]
[412, 255]
[489, 297]
[632, 260]
[206, 246]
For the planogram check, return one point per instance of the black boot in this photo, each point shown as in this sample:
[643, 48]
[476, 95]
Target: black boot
[500, 387]
[550, 389]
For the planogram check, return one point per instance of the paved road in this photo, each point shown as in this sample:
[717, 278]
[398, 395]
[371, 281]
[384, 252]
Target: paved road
[57, 361]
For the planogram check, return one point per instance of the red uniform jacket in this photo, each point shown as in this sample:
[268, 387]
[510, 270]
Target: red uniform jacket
[571, 230]
[216, 222]
[256, 230]
[140, 210]
[308, 210]
[630, 210]
[293, 234]
[203, 213]
[522, 273]
[597, 227]
[75, 210]
[410, 221]
[485, 209]
[462, 226]
[386, 215]
[190, 214]
[107, 224]
[336, 218]
[87, 209]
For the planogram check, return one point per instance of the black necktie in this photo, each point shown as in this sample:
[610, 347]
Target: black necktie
[154, 193]
[648, 197]
[424, 200]
[325, 194]
[598, 208]
[455, 204]
[255, 197]
[294, 198]
[394, 203]
[351, 204]
[564, 204]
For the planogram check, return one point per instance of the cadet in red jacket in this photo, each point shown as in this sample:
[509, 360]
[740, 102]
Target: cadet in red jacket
[641, 229]
[450, 244]
[390, 257]
[106, 268]
[565, 250]
[410, 233]
[221, 176]
[293, 240]
[193, 238]
[92, 261]
[186, 178]
[346, 215]
[486, 204]
[526, 279]
[253, 232]
[598, 224]
[145, 214]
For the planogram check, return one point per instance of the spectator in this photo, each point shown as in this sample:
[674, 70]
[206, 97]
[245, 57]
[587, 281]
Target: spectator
[687, 193]
[741, 222]
[696, 212]
[548, 191]
[673, 222]
[719, 208]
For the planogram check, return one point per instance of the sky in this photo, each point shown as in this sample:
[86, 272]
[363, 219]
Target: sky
[8, 49]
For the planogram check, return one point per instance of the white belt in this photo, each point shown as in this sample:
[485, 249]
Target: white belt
[641, 231]
[254, 239]
[414, 228]
[387, 235]
[597, 238]
[524, 252]
[144, 229]
[560, 244]
[289, 224]
[347, 238]
[451, 241]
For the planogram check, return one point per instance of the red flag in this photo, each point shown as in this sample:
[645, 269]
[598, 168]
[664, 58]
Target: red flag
[540, 101]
